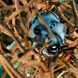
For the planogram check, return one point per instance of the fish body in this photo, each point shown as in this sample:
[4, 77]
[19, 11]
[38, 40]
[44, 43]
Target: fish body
[53, 22]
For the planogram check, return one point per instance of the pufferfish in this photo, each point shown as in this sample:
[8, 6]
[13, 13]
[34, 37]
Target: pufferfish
[39, 32]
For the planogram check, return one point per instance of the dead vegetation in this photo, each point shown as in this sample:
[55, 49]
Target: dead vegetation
[14, 24]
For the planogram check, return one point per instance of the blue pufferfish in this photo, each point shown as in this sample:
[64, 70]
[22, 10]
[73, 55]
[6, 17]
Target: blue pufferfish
[39, 32]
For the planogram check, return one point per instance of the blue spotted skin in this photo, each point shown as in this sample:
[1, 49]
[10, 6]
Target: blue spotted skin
[53, 22]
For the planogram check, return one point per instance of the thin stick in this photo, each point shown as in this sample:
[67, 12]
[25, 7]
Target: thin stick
[22, 25]
[9, 67]
[16, 4]
[63, 72]
[7, 7]
[4, 74]
[13, 36]
[3, 3]
[64, 18]
[7, 70]
[74, 10]
[66, 7]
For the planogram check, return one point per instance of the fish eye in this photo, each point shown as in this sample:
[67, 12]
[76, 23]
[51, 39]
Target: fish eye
[51, 27]
[37, 31]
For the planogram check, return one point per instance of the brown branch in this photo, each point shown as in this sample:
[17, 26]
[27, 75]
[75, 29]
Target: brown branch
[17, 4]
[52, 69]
[22, 25]
[74, 10]
[64, 18]
[66, 7]
[7, 7]
[63, 72]
[5, 28]
[3, 74]
[3, 3]
[8, 67]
